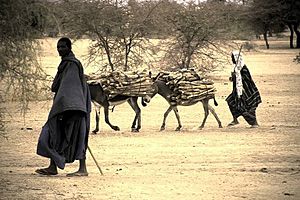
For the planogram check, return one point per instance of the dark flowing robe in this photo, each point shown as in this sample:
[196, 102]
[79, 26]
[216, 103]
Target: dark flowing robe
[249, 100]
[64, 137]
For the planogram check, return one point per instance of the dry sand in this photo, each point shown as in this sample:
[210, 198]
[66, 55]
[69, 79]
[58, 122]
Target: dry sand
[212, 163]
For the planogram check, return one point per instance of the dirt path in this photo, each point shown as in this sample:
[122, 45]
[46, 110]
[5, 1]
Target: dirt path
[213, 163]
[236, 163]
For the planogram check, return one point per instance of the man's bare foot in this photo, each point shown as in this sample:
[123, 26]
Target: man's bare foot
[233, 123]
[254, 126]
[78, 173]
[46, 171]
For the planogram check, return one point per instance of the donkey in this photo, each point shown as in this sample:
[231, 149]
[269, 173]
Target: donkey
[163, 89]
[100, 99]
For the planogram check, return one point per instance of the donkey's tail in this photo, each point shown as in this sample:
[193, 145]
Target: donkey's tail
[215, 102]
[143, 102]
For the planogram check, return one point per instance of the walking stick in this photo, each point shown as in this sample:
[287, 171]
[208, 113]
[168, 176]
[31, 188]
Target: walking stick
[238, 57]
[95, 160]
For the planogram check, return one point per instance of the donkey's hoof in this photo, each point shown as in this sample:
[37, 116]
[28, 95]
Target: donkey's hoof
[220, 126]
[94, 132]
[178, 129]
[134, 130]
[162, 128]
[116, 128]
[200, 127]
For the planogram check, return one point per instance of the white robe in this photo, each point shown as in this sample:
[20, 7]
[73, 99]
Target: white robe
[237, 70]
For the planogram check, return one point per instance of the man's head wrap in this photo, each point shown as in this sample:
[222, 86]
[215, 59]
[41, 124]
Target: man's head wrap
[237, 59]
[67, 41]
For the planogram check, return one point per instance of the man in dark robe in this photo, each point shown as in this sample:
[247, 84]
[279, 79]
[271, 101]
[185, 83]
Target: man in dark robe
[64, 137]
[245, 96]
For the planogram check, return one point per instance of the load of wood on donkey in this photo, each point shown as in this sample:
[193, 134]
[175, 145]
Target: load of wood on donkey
[131, 83]
[187, 86]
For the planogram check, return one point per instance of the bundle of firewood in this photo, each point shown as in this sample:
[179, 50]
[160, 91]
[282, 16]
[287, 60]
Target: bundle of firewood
[125, 83]
[187, 86]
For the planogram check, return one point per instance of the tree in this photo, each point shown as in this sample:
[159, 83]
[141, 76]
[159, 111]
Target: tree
[197, 36]
[21, 76]
[265, 17]
[297, 58]
[291, 16]
[118, 30]
[271, 16]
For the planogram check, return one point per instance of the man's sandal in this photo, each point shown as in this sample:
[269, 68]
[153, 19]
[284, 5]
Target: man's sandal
[46, 172]
[233, 123]
[77, 174]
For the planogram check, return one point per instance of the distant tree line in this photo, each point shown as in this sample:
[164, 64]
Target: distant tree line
[272, 16]
[123, 33]
[129, 23]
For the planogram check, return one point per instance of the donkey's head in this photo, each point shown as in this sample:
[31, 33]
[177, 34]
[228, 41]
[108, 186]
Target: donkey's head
[153, 91]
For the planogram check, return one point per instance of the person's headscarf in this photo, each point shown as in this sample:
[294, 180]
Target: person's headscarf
[239, 63]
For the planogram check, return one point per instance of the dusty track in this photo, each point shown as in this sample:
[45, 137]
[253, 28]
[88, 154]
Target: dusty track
[213, 163]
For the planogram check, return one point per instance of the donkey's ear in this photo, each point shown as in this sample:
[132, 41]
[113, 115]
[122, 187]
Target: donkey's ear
[150, 74]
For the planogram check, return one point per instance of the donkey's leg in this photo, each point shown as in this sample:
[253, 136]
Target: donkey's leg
[206, 112]
[212, 110]
[163, 126]
[136, 124]
[106, 114]
[178, 118]
[97, 111]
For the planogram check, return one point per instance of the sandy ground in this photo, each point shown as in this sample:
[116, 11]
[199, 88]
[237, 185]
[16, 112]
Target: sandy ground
[212, 163]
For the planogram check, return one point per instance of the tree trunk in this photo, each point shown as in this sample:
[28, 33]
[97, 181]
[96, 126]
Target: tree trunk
[188, 61]
[126, 58]
[266, 39]
[291, 36]
[297, 35]
[59, 28]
